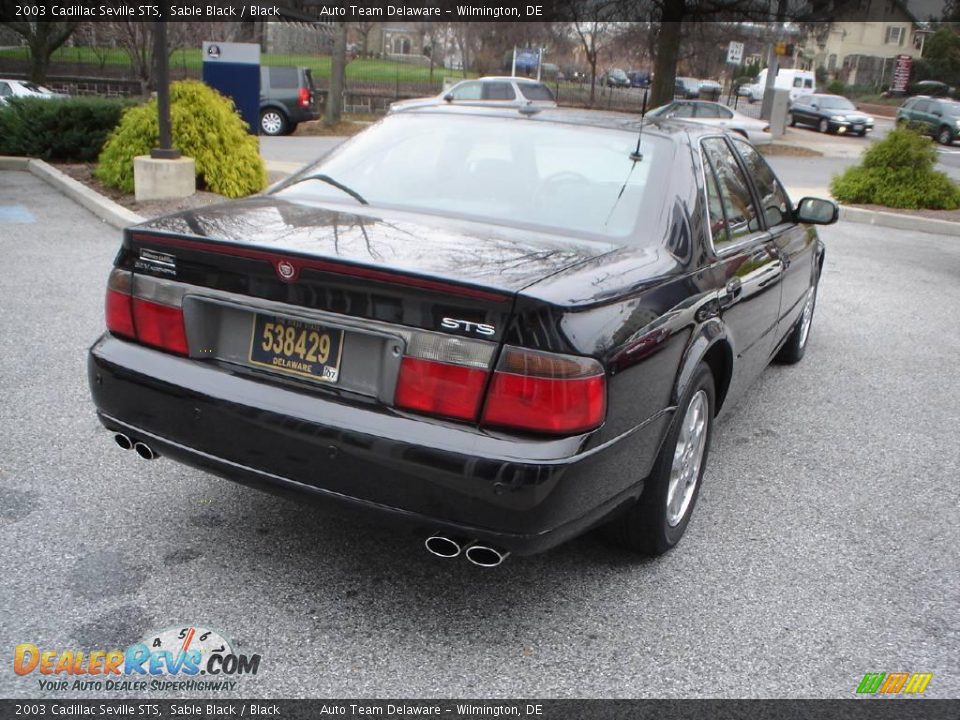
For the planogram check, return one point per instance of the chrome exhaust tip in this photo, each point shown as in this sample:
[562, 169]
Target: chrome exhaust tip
[123, 441]
[485, 556]
[443, 546]
[145, 451]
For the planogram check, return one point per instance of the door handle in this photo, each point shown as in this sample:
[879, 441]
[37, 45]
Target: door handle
[730, 293]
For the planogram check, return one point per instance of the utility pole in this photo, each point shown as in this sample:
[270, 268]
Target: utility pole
[338, 71]
[165, 151]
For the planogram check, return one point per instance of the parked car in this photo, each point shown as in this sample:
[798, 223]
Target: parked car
[715, 114]
[710, 90]
[489, 91]
[640, 78]
[615, 78]
[931, 88]
[503, 327]
[937, 117]
[798, 82]
[829, 113]
[24, 88]
[686, 88]
[286, 98]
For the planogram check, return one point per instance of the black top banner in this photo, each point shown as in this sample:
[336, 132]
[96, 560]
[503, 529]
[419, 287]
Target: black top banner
[583, 11]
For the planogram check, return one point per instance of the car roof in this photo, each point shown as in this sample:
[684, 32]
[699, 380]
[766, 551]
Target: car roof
[604, 119]
[505, 78]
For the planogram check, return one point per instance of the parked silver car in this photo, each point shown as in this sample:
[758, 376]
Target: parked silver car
[716, 114]
[496, 91]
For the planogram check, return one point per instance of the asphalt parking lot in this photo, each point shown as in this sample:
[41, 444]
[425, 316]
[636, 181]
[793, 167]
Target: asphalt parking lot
[824, 545]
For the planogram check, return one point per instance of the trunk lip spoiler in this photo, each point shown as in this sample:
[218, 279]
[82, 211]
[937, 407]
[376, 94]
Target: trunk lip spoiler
[339, 267]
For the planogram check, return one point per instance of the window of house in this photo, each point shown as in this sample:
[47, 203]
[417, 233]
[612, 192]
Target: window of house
[832, 62]
[895, 35]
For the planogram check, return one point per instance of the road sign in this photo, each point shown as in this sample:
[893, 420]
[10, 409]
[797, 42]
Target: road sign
[735, 53]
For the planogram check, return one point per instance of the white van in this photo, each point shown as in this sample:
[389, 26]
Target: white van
[798, 82]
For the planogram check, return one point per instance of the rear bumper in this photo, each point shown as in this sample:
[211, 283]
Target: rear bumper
[524, 495]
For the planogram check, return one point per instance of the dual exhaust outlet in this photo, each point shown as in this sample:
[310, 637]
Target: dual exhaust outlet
[477, 553]
[141, 448]
[439, 545]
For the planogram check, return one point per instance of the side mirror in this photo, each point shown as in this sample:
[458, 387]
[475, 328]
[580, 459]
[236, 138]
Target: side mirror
[448, 97]
[816, 211]
[815, 106]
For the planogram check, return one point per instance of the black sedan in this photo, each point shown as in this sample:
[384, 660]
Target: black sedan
[505, 327]
[829, 113]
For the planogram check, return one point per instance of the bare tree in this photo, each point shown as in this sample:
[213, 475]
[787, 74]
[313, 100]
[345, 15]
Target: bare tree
[42, 39]
[593, 22]
[363, 29]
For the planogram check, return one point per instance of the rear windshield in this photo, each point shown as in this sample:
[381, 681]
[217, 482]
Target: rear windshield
[536, 92]
[515, 172]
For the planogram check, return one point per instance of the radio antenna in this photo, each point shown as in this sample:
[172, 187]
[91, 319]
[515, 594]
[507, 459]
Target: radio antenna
[636, 155]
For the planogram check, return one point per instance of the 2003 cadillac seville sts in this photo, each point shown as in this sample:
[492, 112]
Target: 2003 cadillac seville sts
[507, 327]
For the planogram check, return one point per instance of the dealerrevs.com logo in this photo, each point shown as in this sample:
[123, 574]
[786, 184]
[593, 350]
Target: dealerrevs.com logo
[177, 659]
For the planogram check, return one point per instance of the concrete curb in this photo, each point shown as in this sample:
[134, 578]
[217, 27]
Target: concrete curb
[103, 207]
[13, 163]
[900, 222]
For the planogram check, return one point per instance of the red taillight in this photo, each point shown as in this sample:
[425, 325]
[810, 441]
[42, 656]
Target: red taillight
[304, 97]
[440, 388]
[160, 326]
[153, 323]
[119, 313]
[543, 392]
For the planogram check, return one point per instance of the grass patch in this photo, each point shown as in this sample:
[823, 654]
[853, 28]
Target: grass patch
[371, 70]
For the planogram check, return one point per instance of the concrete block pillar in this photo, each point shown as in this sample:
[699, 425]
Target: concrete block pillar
[155, 179]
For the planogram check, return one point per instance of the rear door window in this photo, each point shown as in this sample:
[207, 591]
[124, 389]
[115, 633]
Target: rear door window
[682, 110]
[498, 91]
[706, 110]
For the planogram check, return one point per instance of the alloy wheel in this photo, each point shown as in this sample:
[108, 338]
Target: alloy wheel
[687, 458]
[945, 137]
[271, 122]
[807, 319]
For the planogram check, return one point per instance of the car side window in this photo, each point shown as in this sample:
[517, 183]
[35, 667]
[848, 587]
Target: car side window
[706, 111]
[536, 92]
[285, 78]
[921, 106]
[718, 222]
[467, 91]
[773, 198]
[5, 90]
[498, 91]
[737, 201]
[681, 110]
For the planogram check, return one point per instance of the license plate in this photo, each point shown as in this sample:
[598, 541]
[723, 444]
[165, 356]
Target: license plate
[858, 128]
[296, 347]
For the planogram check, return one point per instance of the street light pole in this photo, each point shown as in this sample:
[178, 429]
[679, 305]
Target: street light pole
[165, 151]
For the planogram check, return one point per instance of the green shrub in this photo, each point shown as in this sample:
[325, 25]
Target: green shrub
[72, 129]
[205, 127]
[898, 172]
[836, 88]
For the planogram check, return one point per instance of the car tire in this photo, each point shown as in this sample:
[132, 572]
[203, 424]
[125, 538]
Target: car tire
[791, 120]
[945, 136]
[653, 525]
[824, 126]
[795, 348]
[273, 122]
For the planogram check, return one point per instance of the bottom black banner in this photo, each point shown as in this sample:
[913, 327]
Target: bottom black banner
[865, 709]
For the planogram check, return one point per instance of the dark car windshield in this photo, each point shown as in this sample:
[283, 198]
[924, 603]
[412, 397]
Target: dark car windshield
[836, 103]
[515, 172]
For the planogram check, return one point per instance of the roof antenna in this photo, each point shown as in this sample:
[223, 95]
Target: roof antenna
[636, 155]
